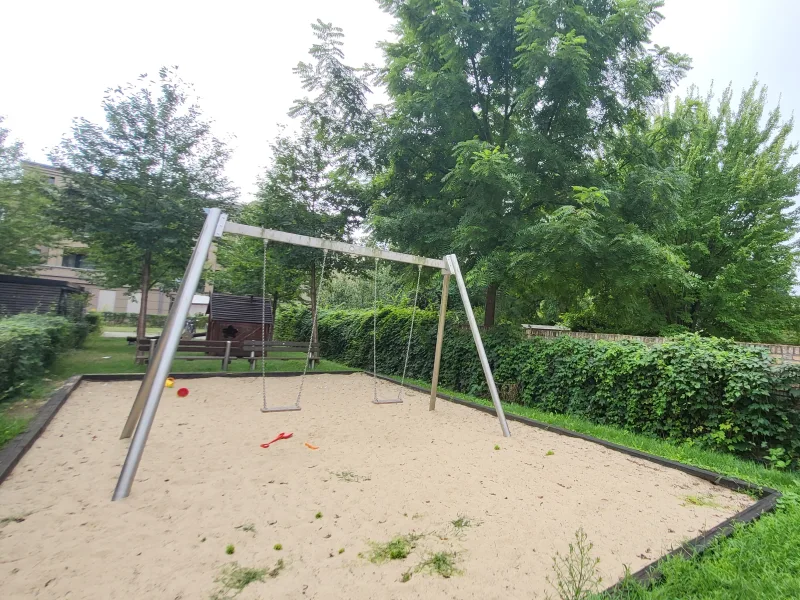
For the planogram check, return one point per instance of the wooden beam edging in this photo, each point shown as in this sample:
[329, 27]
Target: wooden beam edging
[12, 452]
[649, 574]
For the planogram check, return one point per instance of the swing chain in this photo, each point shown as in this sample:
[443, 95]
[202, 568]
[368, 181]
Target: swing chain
[263, 327]
[315, 310]
[410, 334]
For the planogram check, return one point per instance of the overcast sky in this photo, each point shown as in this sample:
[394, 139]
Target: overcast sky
[58, 57]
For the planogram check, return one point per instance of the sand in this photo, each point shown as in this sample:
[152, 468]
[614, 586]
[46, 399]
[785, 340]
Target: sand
[380, 471]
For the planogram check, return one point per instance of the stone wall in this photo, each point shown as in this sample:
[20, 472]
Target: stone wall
[780, 352]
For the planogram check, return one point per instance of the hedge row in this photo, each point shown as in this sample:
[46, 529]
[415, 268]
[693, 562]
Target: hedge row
[30, 343]
[707, 391]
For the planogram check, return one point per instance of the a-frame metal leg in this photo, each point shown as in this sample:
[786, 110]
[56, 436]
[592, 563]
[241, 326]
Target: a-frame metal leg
[146, 403]
[452, 265]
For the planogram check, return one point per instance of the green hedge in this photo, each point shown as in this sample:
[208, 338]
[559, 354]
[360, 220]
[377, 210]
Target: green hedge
[30, 343]
[706, 391]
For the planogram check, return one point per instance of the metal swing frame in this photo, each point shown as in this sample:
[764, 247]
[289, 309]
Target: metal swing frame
[143, 410]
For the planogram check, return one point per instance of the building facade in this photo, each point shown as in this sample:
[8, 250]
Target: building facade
[69, 262]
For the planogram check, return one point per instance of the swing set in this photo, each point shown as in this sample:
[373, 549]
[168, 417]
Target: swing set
[143, 411]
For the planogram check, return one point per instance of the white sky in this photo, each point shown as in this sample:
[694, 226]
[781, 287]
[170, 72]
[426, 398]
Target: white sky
[59, 57]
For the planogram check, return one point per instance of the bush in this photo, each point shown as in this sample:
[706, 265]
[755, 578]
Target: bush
[30, 343]
[706, 391]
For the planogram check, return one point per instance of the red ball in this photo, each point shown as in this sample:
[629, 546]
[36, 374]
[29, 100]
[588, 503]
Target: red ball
[183, 392]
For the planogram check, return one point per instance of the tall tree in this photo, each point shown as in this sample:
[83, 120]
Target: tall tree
[137, 185]
[718, 187]
[24, 206]
[314, 185]
[498, 107]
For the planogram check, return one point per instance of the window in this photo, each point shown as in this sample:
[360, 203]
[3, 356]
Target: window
[51, 180]
[76, 261]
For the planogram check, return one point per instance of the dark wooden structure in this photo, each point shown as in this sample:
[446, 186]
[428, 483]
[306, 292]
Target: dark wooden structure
[238, 318]
[34, 295]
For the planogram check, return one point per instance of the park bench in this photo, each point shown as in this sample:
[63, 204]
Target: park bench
[280, 350]
[228, 350]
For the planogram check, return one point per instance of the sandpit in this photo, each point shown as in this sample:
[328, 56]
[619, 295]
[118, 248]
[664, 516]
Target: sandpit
[379, 472]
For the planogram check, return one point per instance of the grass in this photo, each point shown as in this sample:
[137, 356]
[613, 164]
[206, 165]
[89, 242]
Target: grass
[440, 563]
[701, 500]
[230, 549]
[235, 578]
[396, 549]
[350, 477]
[461, 522]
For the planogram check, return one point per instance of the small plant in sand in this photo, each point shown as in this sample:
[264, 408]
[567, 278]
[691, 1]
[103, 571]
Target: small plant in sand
[318, 515]
[249, 527]
[701, 501]
[350, 477]
[278, 547]
[575, 575]
[462, 522]
[406, 576]
[229, 549]
[235, 578]
[440, 563]
[341, 550]
[12, 519]
[395, 549]
[549, 453]
[496, 447]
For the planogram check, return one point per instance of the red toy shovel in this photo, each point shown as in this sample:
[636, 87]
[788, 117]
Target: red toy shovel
[281, 436]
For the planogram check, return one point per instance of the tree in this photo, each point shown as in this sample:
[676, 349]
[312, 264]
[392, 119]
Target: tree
[24, 207]
[718, 187]
[498, 106]
[137, 186]
[315, 185]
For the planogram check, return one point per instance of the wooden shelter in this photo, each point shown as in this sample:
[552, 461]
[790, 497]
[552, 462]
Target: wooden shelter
[238, 318]
[35, 295]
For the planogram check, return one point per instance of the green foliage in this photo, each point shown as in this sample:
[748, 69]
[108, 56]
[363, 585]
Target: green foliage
[111, 318]
[496, 109]
[24, 207]
[29, 344]
[137, 185]
[712, 391]
[395, 549]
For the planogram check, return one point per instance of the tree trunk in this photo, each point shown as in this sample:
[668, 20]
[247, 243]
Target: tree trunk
[141, 325]
[491, 305]
[314, 302]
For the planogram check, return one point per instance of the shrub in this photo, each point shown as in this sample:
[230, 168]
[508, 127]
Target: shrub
[30, 343]
[708, 391]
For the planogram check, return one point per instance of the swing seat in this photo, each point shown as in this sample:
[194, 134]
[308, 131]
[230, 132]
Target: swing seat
[280, 409]
[391, 401]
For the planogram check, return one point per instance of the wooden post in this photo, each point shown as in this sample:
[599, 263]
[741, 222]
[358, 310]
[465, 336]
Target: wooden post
[437, 356]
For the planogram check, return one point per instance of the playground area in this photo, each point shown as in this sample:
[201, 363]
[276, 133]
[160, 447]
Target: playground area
[207, 495]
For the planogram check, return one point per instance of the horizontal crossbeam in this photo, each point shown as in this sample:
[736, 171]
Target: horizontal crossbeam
[313, 242]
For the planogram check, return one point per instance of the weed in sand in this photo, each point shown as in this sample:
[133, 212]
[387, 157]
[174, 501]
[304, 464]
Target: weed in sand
[440, 563]
[341, 550]
[701, 500]
[405, 576]
[318, 515]
[249, 527]
[395, 549]
[229, 549]
[496, 447]
[278, 547]
[549, 453]
[351, 477]
[576, 574]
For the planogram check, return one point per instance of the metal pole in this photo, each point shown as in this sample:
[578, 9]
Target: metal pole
[437, 356]
[452, 265]
[160, 362]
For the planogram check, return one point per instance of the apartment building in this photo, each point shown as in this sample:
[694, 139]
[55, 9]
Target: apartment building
[68, 262]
